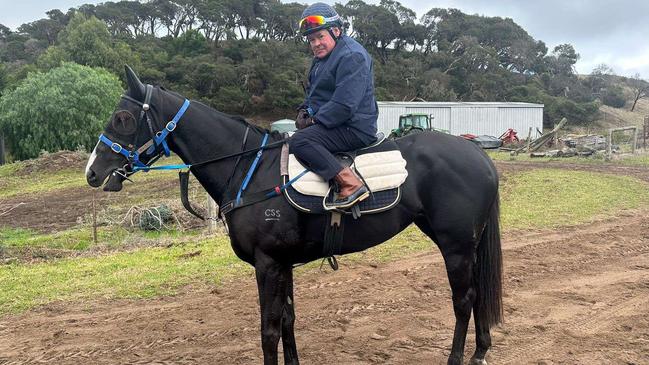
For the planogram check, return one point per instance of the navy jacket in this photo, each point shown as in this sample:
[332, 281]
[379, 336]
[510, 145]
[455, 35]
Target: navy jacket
[341, 89]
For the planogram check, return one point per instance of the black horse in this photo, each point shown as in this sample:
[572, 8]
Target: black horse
[451, 194]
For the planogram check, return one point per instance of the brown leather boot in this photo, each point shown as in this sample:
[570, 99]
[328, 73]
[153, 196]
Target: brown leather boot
[351, 189]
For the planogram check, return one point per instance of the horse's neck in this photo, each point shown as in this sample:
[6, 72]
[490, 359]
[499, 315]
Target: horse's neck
[202, 135]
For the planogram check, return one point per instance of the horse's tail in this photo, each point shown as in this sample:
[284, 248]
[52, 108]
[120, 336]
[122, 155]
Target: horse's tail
[488, 270]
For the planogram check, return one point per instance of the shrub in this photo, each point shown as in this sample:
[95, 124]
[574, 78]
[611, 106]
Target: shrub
[65, 108]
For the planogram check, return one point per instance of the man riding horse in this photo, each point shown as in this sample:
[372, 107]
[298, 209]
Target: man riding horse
[450, 193]
[340, 112]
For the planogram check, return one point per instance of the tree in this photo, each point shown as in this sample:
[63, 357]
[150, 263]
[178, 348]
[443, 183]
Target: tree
[3, 78]
[191, 43]
[614, 96]
[4, 33]
[602, 69]
[46, 29]
[65, 108]
[640, 89]
[563, 59]
[376, 27]
[88, 42]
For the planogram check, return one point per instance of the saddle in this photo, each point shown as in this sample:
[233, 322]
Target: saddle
[380, 166]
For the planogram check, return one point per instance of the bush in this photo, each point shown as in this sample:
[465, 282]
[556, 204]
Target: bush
[65, 108]
[614, 97]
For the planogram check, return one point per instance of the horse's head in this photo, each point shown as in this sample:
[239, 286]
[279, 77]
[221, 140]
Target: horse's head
[127, 140]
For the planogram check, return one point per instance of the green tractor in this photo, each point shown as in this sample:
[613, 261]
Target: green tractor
[412, 123]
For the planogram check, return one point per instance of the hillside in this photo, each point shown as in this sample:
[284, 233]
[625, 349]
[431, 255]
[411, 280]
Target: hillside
[621, 117]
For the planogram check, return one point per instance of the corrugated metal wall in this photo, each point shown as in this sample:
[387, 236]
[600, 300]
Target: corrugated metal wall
[476, 118]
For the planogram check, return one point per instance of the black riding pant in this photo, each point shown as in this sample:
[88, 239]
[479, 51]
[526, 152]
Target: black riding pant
[314, 146]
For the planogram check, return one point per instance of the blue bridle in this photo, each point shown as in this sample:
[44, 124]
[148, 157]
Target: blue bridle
[158, 138]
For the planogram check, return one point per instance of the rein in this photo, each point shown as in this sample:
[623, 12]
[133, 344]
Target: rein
[206, 162]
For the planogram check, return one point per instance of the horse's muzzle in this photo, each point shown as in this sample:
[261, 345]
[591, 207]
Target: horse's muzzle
[92, 179]
[114, 182]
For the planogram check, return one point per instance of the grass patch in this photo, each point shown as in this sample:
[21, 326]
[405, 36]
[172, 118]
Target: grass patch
[72, 239]
[48, 182]
[625, 160]
[551, 198]
[637, 160]
[10, 169]
[138, 274]
[11, 186]
[152, 272]
[80, 238]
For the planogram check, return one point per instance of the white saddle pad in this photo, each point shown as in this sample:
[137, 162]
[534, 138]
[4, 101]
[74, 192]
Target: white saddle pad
[381, 171]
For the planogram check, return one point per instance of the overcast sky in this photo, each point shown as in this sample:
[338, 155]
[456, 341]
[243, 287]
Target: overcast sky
[615, 32]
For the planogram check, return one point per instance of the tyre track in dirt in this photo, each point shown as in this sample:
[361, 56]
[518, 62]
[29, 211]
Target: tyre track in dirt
[585, 307]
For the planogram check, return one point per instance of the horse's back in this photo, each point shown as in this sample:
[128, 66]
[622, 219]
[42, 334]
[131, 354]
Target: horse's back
[449, 178]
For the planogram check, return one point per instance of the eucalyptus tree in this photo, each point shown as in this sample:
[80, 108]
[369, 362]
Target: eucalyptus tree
[46, 29]
[88, 42]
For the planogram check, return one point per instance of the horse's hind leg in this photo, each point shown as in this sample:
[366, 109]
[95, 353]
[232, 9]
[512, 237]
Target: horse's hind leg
[459, 268]
[482, 338]
[459, 258]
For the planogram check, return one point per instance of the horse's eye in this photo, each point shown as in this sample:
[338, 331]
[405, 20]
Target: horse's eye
[124, 122]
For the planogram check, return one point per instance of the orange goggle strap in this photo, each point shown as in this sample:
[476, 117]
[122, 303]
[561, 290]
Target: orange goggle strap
[315, 21]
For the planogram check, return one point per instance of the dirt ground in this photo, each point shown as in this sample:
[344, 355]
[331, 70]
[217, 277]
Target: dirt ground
[577, 295]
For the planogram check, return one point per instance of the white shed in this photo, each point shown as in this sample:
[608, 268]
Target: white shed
[477, 118]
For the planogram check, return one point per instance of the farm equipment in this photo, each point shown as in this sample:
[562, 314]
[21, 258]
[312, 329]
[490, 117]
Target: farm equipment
[412, 123]
[510, 136]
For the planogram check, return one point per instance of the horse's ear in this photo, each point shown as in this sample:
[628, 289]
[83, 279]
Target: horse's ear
[136, 88]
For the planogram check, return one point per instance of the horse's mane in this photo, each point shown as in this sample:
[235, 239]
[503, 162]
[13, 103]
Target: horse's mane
[237, 118]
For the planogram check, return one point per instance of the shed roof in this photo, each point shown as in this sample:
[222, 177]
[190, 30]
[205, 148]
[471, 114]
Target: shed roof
[457, 104]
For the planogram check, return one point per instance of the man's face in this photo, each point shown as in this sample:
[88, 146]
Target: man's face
[322, 43]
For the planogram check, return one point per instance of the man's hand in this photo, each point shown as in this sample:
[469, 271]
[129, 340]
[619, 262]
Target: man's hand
[303, 119]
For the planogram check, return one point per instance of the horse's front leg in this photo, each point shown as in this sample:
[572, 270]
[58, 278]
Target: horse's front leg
[275, 283]
[288, 331]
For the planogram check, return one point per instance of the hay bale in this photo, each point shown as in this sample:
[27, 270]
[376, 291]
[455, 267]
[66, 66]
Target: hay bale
[154, 219]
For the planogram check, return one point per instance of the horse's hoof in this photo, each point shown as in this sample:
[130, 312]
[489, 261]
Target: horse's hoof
[475, 361]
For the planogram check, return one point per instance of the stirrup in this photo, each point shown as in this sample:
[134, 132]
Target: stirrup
[351, 200]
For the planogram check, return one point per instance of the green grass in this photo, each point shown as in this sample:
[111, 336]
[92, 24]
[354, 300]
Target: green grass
[10, 169]
[641, 160]
[72, 239]
[550, 198]
[138, 274]
[48, 182]
[80, 238]
[542, 198]
[11, 186]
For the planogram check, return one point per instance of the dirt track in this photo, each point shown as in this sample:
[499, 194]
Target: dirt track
[573, 296]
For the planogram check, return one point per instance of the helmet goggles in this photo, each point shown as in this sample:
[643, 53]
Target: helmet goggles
[316, 22]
